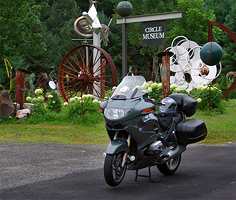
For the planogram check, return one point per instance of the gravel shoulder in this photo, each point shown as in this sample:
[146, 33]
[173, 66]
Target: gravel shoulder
[22, 164]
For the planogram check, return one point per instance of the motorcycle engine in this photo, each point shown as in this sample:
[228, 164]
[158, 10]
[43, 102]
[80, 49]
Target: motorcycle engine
[156, 147]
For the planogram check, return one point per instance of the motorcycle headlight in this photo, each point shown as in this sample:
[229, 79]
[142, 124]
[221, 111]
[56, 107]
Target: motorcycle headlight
[115, 113]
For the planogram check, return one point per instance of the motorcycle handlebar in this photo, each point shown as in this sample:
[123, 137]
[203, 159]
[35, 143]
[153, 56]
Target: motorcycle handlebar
[153, 102]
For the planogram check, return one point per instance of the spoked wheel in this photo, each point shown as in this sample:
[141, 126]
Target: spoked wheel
[170, 166]
[86, 69]
[114, 172]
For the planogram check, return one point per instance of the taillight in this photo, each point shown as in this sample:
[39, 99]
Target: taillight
[100, 109]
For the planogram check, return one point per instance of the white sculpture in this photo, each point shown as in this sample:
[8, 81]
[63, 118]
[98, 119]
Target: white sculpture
[187, 69]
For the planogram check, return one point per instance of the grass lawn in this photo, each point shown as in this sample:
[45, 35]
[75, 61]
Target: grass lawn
[221, 129]
[61, 134]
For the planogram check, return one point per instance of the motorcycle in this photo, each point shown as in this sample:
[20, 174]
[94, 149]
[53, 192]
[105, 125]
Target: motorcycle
[142, 138]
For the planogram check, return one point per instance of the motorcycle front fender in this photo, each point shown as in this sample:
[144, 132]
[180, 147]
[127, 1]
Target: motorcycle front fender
[116, 146]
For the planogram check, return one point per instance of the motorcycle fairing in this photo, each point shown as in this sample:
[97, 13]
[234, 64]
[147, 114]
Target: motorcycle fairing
[135, 107]
[117, 145]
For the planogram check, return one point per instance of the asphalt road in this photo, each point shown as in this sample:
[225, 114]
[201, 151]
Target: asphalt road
[75, 172]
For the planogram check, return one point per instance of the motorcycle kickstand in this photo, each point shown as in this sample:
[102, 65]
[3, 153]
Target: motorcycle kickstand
[145, 176]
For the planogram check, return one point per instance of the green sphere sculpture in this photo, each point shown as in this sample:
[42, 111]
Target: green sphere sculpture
[211, 53]
[124, 8]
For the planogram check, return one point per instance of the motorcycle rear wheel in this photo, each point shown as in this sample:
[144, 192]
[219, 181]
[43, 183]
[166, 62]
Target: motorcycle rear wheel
[113, 170]
[170, 167]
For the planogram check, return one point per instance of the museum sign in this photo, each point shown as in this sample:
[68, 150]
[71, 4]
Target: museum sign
[153, 33]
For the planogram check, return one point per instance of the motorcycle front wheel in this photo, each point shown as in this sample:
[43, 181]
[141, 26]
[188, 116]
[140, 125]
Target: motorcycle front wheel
[114, 172]
[170, 167]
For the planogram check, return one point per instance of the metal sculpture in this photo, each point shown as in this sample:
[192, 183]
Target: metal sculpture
[211, 38]
[20, 86]
[83, 28]
[10, 71]
[77, 75]
[188, 71]
[231, 76]
[211, 53]
[87, 68]
[42, 83]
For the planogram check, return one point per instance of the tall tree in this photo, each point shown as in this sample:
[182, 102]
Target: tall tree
[194, 21]
[19, 34]
[221, 8]
[57, 30]
[142, 7]
[229, 47]
[20, 29]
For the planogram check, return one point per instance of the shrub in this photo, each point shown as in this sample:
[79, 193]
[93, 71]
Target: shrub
[91, 114]
[155, 90]
[40, 109]
[210, 96]
[224, 84]
[53, 102]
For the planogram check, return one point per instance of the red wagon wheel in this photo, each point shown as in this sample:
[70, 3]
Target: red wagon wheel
[79, 74]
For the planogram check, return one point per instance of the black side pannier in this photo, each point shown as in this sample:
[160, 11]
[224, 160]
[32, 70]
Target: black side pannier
[185, 103]
[191, 131]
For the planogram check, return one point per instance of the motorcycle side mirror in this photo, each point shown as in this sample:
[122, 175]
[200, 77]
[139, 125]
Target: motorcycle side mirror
[146, 95]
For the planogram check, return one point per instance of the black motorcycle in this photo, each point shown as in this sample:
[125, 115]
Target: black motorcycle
[141, 138]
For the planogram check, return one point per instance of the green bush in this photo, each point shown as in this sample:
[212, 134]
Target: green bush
[91, 114]
[201, 93]
[210, 96]
[71, 112]
[155, 90]
[40, 109]
[53, 102]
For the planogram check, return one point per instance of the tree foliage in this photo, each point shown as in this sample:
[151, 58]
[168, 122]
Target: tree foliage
[20, 34]
[194, 21]
[57, 29]
[45, 29]
[229, 47]
[20, 29]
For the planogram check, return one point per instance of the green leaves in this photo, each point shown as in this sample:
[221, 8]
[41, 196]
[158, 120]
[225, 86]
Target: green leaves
[194, 21]
[210, 98]
[19, 29]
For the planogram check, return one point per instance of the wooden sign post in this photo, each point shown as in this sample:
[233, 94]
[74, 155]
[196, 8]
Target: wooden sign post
[153, 34]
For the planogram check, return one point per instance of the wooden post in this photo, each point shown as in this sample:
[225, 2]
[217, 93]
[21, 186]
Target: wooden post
[165, 73]
[124, 49]
[103, 73]
[141, 18]
[149, 71]
[20, 83]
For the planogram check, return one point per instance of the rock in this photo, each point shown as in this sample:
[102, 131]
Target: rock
[16, 106]
[6, 105]
[29, 106]
[22, 114]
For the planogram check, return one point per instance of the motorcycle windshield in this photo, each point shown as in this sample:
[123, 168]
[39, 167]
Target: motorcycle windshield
[130, 87]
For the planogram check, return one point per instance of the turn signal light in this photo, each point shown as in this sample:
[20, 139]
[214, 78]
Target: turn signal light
[148, 110]
[100, 109]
